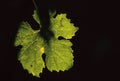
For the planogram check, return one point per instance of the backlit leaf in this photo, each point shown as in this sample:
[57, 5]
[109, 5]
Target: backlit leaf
[58, 53]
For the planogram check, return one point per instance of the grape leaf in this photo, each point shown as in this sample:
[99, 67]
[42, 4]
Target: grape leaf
[61, 26]
[58, 52]
[30, 55]
[59, 55]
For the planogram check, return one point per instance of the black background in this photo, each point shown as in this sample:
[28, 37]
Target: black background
[96, 46]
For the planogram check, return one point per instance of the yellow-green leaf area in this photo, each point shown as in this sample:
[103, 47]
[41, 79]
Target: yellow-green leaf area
[59, 55]
[30, 54]
[35, 43]
[62, 26]
[36, 17]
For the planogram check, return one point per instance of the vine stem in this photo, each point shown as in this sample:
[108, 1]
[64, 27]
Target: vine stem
[35, 4]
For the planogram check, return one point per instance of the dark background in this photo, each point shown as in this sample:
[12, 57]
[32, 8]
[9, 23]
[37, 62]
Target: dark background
[96, 47]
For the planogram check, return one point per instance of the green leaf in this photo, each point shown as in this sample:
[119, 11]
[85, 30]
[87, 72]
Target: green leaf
[61, 26]
[59, 54]
[36, 17]
[30, 55]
